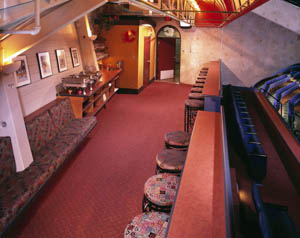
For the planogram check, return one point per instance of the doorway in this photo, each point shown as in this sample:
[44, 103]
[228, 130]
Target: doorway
[168, 54]
[146, 60]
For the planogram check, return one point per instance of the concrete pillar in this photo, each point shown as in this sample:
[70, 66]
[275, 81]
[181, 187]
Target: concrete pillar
[87, 49]
[12, 121]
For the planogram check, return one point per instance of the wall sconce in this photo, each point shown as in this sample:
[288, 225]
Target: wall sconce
[93, 37]
[11, 68]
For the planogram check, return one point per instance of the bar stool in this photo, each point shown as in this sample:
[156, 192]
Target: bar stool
[148, 224]
[198, 85]
[190, 112]
[200, 81]
[178, 140]
[196, 90]
[201, 78]
[204, 68]
[170, 161]
[159, 192]
[196, 96]
[203, 71]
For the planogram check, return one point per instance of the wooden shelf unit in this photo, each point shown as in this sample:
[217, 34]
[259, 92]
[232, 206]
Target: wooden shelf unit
[94, 100]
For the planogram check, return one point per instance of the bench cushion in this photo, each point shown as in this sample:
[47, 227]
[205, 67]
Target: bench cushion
[7, 161]
[40, 131]
[17, 190]
[62, 113]
[81, 125]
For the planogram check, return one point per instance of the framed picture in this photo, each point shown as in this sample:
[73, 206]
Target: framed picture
[22, 76]
[44, 64]
[75, 57]
[61, 60]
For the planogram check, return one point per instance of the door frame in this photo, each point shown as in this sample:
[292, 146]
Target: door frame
[157, 52]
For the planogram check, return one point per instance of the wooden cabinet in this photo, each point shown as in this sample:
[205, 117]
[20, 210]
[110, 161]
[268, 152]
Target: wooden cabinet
[93, 101]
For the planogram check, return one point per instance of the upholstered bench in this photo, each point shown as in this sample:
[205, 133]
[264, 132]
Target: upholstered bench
[159, 192]
[53, 135]
[148, 224]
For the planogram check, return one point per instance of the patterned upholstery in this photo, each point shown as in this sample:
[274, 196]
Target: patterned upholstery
[171, 159]
[161, 189]
[196, 90]
[81, 125]
[148, 224]
[7, 162]
[40, 130]
[62, 113]
[53, 136]
[178, 138]
[17, 190]
[196, 96]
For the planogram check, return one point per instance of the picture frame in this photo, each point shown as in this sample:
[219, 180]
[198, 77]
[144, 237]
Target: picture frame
[22, 76]
[75, 57]
[44, 64]
[61, 60]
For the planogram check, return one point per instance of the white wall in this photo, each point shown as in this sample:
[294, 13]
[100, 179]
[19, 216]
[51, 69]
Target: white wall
[43, 91]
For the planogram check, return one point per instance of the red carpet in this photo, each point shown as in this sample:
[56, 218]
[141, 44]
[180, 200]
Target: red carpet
[100, 189]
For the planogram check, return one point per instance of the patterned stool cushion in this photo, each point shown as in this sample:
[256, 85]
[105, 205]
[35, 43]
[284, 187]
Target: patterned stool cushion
[178, 138]
[197, 96]
[198, 85]
[200, 81]
[194, 104]
[171, 159]
[196, 90]
[161, 189]
[148, 224]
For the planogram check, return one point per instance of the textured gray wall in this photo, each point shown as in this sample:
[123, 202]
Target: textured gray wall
[254, 48]
[250, 48]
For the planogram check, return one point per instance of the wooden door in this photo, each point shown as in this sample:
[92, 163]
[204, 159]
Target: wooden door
[166, 57]
[146, 60]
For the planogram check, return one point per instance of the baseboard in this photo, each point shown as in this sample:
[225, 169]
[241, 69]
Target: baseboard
[129, 90]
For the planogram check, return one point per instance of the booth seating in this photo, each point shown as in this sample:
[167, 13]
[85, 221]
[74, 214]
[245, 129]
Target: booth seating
[190, 112]
[291, 109]
[273, 219]
[159, 192]
[196, 96]
[178, 140]
[255, 156]
[282, 92]
[53, 135]
[148, 224]
[170, 161]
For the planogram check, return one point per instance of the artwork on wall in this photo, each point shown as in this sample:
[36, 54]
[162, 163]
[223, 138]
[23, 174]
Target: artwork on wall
[22, 76]
[61, 60]
[44, 64]
[75, 57]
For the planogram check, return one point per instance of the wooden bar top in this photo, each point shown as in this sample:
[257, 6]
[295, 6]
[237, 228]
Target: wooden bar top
[107, 77]
[199, 209]
[212, 85]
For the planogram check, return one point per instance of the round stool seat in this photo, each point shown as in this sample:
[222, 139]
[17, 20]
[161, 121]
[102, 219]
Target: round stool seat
[203, 71]
[148, 224]
[170, 160]
[204, 68]
[200, 81]
[196, 90]
[194, 104]
[177, 139]
[196, 96]
[161, 189]
[201, 78]
[198, 85]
